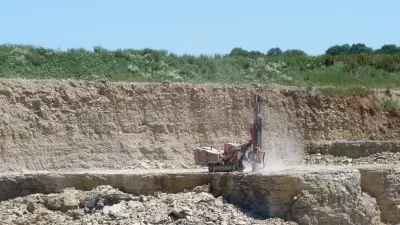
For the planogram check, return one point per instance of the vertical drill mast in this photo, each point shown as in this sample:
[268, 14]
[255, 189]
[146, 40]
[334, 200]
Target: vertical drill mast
[256, 156]
[257, 123]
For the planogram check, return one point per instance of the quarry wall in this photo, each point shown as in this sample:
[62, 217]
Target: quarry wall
[66, 124]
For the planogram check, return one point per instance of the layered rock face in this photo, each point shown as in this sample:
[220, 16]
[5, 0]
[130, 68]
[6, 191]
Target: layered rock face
[323, 196]
[144, 183]
[384, 185]
[48, 125]
[303, 195]
[54, 125]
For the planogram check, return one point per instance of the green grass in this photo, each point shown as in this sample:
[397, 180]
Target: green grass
[344, 90]
[340, 74]
[391, 106]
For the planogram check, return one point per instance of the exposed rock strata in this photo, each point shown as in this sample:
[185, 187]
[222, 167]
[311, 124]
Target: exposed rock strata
[56, 125]
[384, 185]
[306, 195]
[327, 196]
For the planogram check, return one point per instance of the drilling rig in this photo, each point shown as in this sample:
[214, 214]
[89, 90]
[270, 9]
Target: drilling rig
[232, 157]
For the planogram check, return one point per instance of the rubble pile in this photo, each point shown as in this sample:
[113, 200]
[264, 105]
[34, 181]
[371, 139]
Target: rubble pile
[150, 164]
[378, 158]
[106, 205]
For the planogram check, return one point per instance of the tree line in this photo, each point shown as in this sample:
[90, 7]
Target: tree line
[335, 50]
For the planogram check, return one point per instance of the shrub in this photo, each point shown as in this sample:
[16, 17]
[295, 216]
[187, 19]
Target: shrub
[239, 52]
[325, 60]
[360, 48]
[242, 62]
[295, 52]
[391, 106]
[362, 59]
[338, 50]
[388, 49]
[274, 52]
[388, 63]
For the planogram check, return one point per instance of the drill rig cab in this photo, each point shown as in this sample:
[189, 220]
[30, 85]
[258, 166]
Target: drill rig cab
[231, 159]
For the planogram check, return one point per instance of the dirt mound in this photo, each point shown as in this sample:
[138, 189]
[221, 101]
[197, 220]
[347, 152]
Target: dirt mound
[105, 205]
[57, 125]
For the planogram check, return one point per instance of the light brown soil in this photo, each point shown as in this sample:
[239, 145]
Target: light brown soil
[64, 125]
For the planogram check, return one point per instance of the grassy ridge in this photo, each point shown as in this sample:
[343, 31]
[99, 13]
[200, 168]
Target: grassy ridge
[337, 72]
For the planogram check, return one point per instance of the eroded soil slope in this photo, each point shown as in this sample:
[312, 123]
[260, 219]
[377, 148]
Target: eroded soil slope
[47, 124]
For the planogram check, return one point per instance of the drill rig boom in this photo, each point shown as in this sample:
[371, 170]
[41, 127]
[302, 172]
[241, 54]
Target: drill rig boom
[256, 156]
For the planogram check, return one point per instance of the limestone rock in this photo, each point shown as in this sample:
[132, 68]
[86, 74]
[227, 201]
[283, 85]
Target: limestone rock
[383, 185]
[177, 213]
[54, 202]
[327, 197]
[367, 211]
[188, 208]
[203, 197]
[203, 188]
[76, 214]
[31, 206]
[112, 210]
[71, 199]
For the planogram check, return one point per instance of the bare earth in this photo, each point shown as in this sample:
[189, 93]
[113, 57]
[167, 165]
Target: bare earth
[63, 125]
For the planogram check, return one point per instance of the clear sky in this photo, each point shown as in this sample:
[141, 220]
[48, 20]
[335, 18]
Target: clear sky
[200, 26]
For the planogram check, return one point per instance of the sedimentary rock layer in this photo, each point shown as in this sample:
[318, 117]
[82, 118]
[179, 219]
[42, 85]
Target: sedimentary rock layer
[305, 195]
[55, 125]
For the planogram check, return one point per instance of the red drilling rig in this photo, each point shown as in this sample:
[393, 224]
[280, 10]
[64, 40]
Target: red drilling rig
[231, 159]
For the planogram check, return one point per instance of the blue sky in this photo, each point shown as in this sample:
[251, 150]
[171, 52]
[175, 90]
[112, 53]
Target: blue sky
[202, 26]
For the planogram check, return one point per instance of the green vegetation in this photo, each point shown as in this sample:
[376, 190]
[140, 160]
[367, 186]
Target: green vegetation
[389, 105]
[343, 68]
[351, 90]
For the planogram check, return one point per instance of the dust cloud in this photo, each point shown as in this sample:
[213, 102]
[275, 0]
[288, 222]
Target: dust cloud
[281, 140]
